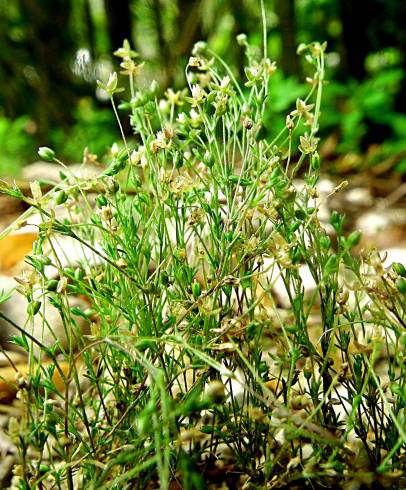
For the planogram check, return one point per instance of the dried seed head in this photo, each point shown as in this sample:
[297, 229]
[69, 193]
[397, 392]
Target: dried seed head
[215, 392]
[107, 213]
[289, 123]
[121, 263]
[247, 122]
[342, 297]
[36, 191]
[62, 283]
[168, 132]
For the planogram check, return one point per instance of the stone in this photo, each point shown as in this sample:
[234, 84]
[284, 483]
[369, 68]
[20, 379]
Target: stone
[47, 325]
[51, 171]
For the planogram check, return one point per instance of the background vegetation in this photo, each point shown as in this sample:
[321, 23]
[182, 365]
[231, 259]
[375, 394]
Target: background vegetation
[54, 50]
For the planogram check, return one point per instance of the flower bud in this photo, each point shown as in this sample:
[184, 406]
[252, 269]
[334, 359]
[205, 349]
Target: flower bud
[302, 48]
[199, 47]
[315, 161]
[61, 197]
[33, 307]
[399, 269]
[46, 154]
[122, 155]
[401, 285]
[196, 289]
[247, 123]
[101, 201]
[51, 285]
[354, 238]
[242, 39]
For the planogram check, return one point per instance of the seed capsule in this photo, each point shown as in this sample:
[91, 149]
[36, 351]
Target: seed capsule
[399, 269]
[196, 290]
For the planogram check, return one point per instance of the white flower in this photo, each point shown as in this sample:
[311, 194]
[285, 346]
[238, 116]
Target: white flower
[198, 94]
[139, 157]
[225, 82]
[161, 142]
[195, 116]
[164, 105]
[181, 118]
[114, 149]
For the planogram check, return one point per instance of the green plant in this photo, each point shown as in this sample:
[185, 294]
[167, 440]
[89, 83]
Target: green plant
[191, 365]
[16, 142]
[363, 111]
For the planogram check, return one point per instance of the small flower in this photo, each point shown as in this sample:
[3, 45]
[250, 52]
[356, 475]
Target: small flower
[308, 144]
[200, 252]
[195, 117]
[131, 68]
[27, 279]
[302, 109]
[225, 82]
[182, 118]
[269, 66]
[198, 95]
[204, 79]
[196, 217]
[253, 72]
[377, 262]
[125, 51]
[309, 119]
[182, 184]
[205, 64]
[174, 98]
[164, 106]
[220, 104]
[194, 61]
[224, 88]
[180, 254]
[316, 49]
[111, 86]
[89, 158]
[139, 157]
[160, 142]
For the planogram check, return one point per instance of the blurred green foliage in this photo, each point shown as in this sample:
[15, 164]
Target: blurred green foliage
[17, 144]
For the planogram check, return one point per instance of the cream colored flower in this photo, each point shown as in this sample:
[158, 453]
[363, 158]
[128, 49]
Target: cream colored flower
[174, 98]
[198, 95]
